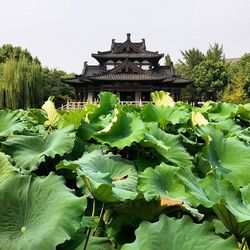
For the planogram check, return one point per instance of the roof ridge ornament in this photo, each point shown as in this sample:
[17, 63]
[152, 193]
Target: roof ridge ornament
[128, 36]
[143, 44]
[113, 44]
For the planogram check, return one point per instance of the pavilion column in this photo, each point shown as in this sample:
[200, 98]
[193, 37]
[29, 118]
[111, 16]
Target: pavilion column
[76, 95]
[137, 96]
[90, 97]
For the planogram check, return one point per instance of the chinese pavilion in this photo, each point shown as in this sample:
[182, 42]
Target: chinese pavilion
[130, 71]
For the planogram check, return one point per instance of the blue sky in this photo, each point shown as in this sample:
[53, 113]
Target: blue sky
[64, 33]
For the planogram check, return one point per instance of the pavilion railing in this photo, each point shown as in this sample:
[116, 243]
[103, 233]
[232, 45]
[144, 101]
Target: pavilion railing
[71, 105]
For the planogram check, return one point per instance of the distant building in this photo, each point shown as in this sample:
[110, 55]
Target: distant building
[128, 70]
[232, 60]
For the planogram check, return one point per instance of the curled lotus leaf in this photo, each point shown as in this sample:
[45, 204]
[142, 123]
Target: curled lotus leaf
[53, 115]
[10, 123]
[6, 168]
[124, 129]
[198, 119]
[230, 156]
[167, 145]
[162, 98]
[28, 151]
[108, 178]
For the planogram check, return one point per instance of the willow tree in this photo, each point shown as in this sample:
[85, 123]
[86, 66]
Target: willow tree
[20, 84]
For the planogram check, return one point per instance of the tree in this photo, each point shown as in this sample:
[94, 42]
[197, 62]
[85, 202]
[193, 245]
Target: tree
[235, 91]
[20, 84]
[210, 78]
[215, 53]
[191, 58]
[8, 51]
[168, 60]
[208, 72]
[53, 86]
[238, 89]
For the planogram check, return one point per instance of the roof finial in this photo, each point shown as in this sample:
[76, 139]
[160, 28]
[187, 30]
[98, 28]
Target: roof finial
[128, 36]
[143, 43]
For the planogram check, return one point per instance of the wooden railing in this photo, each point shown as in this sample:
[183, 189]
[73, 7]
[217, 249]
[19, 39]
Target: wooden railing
[71, 105]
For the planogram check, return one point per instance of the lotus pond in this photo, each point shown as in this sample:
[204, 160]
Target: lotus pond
[163, 176]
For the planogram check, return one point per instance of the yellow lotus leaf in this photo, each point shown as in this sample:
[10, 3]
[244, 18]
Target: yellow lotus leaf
[198, 119]
[53, 115]
[162, 98]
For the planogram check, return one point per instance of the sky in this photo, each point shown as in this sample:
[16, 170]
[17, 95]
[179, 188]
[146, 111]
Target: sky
[64, 33]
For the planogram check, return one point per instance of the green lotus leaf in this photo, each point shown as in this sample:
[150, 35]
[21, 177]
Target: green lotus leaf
[108, 178]
[175, 234]
[28, 151]
[167, 145]
[105, 107]
[39, 116]
[37, 213]
[222, 111]
[6, 168]
[231, 206]
[124, 129]
[240, 229]
[229, 126]
[94, 243]
[164, 115]
[72, 117]
[244, 112]
[230, 156]
[237, 216]
[159, 181]
[174, 183]
[10, 123]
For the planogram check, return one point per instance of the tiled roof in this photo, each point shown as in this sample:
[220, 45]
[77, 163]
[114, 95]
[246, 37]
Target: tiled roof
[127, 77]
[128, 55]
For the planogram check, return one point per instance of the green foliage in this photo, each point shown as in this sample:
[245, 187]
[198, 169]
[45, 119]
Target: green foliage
[210, 77]
[8, 51]
[126, 177]
[168, 60]
[215, 53]
[238, 90]
[20, 84]
[28, 151]
[39, 213]
[170, 233]
[53, 86]
[25, 84]
[213, 78]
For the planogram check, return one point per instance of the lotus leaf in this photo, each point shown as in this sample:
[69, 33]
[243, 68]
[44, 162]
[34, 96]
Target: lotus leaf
[53, 115]
[10, 123]
[6, 168]
[167, 145]
[230, 156]
[173, 234]
[123, 131]
[161, 98]
[164, 115]
[28, 151]
[37, 213]
[107, 177]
